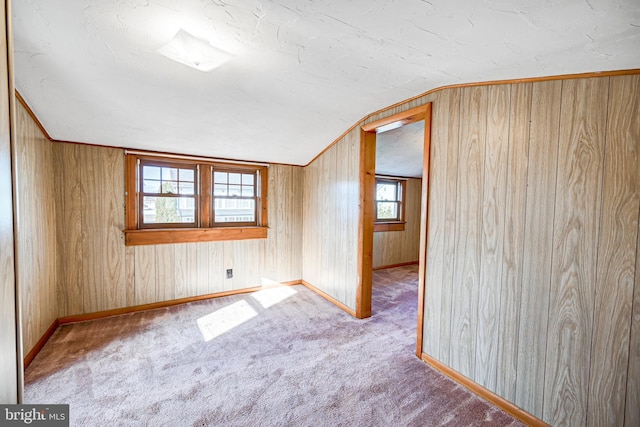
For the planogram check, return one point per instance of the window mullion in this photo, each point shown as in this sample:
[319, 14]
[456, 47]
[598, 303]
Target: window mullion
[205, 196]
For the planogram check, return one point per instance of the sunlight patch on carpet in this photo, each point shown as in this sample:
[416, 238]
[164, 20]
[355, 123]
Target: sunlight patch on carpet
[220, 321]
[273, 296]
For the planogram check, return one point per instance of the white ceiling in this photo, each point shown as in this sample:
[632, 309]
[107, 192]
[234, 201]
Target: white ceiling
[304, 71]
[399, 152]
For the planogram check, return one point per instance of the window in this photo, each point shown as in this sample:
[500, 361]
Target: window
[389, 204]
[173, 200]
[167, 195]
[234, 195]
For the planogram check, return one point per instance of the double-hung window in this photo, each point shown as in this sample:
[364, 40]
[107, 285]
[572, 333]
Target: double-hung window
[167, 196]
[173, 200]
[390, 204]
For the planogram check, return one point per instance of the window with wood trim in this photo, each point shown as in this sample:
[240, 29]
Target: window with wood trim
[390, 203]
[174, 200]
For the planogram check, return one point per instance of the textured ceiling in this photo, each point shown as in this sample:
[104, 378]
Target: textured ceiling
[399, 152]
[304, 72]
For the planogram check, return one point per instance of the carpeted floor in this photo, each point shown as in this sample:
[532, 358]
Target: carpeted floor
[279, 357]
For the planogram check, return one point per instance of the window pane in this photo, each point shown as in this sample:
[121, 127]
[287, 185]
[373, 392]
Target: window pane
[230, 211]
[151, 172]
[186, 175]
[220, 177]
[169, 174]
[387, 210]
[151, 186]
[169, 187]
[234, 178]
[220, 190]
[168, 210]
[247, 179]
[234, 190]
[247, 191]
[386, 191]
[187, 188]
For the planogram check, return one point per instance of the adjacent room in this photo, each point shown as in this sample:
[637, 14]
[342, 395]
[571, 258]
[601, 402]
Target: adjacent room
[321, 213]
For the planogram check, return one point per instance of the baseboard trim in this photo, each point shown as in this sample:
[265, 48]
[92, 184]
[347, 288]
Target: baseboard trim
[143, 307]
[41, 342]
[484, 393]
[402, 264]
[152, 306]
[329, 298]
[162, 304]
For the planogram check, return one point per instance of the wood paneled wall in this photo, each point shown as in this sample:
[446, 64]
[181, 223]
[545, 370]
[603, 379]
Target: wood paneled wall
[397, 247]
[8, 331]
[97, 272]
[36, 225]
[330, 212]
[535, 197]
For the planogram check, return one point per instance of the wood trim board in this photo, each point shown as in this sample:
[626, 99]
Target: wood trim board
[486, 394]
[402, 264]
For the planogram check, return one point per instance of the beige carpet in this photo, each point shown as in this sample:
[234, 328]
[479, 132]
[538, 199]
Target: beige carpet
[280, 357]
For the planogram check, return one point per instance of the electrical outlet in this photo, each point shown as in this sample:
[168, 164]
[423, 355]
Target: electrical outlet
[229, 273]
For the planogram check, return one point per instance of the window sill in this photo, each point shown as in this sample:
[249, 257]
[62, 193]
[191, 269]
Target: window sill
[190, 235]
[388, 226]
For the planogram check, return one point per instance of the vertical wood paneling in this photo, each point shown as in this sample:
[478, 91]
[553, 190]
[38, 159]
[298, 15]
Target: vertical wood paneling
[146, 276]
[36, 224]
[329, 258]
[396, 247]
[165, 273]
[449, 256]
[573, 276]
[72, 273]
[616, 260]
[8, 332]
[632, 406]
[115, 292]
[538, 243]
[468, 228]
[186, 269]
[91, 200]
[493, 219]
[436, 233]
[130, 275]
[516, 195]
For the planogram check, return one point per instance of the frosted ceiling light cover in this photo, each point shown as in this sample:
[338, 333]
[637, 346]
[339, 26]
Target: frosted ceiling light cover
[194, 52]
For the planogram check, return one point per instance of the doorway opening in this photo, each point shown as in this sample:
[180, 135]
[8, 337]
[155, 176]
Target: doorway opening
[370, 207]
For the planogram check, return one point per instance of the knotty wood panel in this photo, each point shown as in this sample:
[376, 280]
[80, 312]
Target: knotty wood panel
[616, 258]
[538, 242]
[396, 247]
[9, 348]
[493, 220]
[36, 224]
[516, 195]
[573, 276]
[468, 228]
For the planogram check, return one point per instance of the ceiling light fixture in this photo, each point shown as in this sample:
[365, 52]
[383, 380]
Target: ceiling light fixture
[194, 52]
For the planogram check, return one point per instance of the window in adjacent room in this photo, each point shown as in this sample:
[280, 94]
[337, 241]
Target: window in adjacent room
[390, 202]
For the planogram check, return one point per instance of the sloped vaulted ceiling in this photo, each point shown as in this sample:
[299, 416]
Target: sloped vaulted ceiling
[303, 71]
